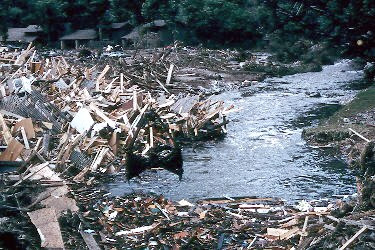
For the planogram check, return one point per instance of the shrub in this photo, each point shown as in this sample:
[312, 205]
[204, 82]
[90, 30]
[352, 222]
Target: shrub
[84, 53]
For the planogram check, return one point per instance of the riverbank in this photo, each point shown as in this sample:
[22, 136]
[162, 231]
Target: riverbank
[358, 115]
[352, 130]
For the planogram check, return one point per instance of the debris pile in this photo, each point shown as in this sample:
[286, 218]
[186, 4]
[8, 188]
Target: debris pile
[73, 116]
[195, 70]
[140, 221]
[146, 221]
[63, 123]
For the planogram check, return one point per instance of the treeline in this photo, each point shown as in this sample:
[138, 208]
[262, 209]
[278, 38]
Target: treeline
[346, 24]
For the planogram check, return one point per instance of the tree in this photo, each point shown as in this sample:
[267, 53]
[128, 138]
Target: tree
[4, 13]
[218, 21]
[49, 16]
[127, 10]
[77, 14]
[160, 9]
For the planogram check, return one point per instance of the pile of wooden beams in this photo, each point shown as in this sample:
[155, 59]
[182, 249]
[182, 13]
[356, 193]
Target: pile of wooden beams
[63, 122]
[86, 118]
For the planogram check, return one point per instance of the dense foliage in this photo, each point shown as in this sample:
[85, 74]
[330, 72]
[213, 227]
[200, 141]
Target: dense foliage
[346, 24]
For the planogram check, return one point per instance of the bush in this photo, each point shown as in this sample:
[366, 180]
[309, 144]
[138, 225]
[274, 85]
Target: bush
[287, 51]
[84, 53]
[282, 70]
[320, 54]
[242, 56]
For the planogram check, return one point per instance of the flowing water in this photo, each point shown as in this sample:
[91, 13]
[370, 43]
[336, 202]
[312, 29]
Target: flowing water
[263, 153]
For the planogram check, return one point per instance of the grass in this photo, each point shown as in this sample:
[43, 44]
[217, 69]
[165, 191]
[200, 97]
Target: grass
[334, 128]
[364, 101]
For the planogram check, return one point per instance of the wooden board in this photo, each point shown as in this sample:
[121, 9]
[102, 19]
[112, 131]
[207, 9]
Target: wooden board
[28, 126]
[13, 151]
[45, 220]
[90, 241]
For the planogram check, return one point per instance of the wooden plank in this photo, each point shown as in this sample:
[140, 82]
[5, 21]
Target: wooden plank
[169, 77]
[24, 137]
[290, 223]
[305, 224]
[21, 59]
[60, 204]
[352, 239]
[151, 137]
[135, 105]
[359, 135]
[33, 171]
[135, 231]
[94, 108]
[90, 241]
[13, 151]
[113, 142]
[95, 164]
[45, 220]
[100, 77]
[68, 150]
[6, 132]
[239, 200]
[276, 232]
[99, 159]
[122, 82]
[290, 234]
[109, 87]
[2, 90]
[164, 88]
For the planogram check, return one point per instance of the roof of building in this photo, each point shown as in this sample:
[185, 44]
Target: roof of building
[156, 23]
[135, 33]
[118, 25]
[18, 35]
[33, 29]
[87, 34]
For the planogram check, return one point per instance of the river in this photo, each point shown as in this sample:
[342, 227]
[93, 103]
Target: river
[263, 153]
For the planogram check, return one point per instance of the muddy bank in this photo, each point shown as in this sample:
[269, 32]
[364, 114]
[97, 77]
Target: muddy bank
[358, 115]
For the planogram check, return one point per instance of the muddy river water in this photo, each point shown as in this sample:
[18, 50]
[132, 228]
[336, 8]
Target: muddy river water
[263, 153]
